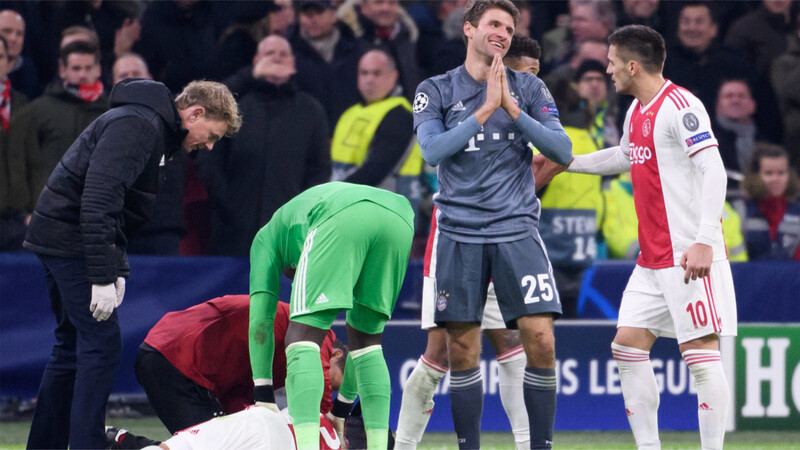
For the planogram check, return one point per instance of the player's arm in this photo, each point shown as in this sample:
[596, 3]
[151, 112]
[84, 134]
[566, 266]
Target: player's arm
[265, 270]
[538, 120]
[436, 143]
[692, 128]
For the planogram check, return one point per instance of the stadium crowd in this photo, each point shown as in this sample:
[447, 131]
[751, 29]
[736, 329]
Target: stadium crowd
[297, 69]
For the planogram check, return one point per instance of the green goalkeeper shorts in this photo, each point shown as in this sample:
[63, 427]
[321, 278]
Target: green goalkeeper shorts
[355, 261]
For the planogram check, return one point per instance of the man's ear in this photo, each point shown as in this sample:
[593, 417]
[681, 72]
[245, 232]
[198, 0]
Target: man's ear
[196, 112]
[337, 353]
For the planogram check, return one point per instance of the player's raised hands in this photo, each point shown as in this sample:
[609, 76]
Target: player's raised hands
[696, 261]
[494, 93]
[508, 102]
[545, 169]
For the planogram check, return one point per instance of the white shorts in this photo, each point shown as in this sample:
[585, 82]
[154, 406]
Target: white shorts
[659, 300]
[253, 428]
[492, 318]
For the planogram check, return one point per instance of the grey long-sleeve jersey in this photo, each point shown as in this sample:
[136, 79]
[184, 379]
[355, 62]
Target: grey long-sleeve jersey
[487, 191]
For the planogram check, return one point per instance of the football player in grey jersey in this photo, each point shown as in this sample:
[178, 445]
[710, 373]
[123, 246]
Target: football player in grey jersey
[474, 123]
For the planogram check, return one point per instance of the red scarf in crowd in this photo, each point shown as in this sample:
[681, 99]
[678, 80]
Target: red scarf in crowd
[5, 105]
[773, 209]
[86, 92]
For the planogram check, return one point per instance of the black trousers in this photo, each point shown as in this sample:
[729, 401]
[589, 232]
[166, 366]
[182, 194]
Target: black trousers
[71, 405]
[179, 402]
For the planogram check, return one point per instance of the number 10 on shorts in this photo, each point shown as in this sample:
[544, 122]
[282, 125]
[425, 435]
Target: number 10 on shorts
[538, 286]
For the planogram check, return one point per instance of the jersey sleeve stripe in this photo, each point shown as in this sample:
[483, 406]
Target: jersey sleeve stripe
[679, 102]
[701, 149]
[679, 94]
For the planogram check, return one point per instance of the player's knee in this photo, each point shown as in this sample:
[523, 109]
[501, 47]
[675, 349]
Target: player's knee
[540, 348]
[708, 342]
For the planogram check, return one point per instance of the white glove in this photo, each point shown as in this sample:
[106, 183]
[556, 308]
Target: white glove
[120, 286]
[270, 406]
[104, 297]
[338, 425]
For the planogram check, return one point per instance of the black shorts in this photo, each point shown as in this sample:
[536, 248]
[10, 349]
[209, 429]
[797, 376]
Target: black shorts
[521, 272]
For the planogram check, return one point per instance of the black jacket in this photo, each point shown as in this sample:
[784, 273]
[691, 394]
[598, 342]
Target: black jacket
[107, 182]
[282, 149]
[334, 84]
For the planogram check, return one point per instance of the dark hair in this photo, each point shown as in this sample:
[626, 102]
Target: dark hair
[523, 46]
[590, 65]
[80, 47]
[475, 9]
[640, 43]
[712, 11]
[337, 344]
[754, 187]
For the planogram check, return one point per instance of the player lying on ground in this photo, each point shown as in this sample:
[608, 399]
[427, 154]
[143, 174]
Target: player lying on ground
[194, 364]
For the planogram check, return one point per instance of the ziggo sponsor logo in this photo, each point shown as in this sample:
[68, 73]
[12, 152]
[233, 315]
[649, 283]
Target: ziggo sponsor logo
[640, 155]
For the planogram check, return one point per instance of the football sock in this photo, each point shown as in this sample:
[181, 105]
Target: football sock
[348, 391]
[640, 391]
[375, 390]
[304, 388]
[417, 404]
[466, 403]
[713, 395]
[511, 368]
[540, 402]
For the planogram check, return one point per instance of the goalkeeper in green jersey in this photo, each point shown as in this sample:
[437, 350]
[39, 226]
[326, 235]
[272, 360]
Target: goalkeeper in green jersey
[346, 247]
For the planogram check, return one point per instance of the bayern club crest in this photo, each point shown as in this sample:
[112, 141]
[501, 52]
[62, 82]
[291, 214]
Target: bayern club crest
[441, 300]
[647, 127]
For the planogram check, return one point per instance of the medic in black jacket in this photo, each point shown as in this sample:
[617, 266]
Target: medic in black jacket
[104, 187]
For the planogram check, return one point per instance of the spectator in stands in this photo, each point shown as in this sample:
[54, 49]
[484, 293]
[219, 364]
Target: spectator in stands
[178, 39]
[23, 73]
[429, 15]
[589, 19]
[771, 209]
[374, 141]
[598, 103]
[282, 19]
[590, 49]
[450, 51]
[384, 24]
[78, 33]
[239, 42]
[194, 364]
[130, 65]
[327, 54]
[524, 23]
[14, 210]
[735, 129]
[282, 149]
[762, 35]
[785, 80]
[45, 134]
[697, 62]
[642, 12]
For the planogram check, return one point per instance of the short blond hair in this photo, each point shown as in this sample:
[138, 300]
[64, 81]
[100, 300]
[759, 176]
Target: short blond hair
[216, 99]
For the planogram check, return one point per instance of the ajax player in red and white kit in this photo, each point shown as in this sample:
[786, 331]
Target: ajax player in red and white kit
[254, 428]
[682, 286]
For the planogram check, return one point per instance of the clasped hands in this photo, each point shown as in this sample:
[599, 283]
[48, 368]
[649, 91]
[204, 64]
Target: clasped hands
[497, 93]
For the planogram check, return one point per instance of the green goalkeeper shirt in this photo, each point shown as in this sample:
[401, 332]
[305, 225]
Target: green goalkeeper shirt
[278, 246]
